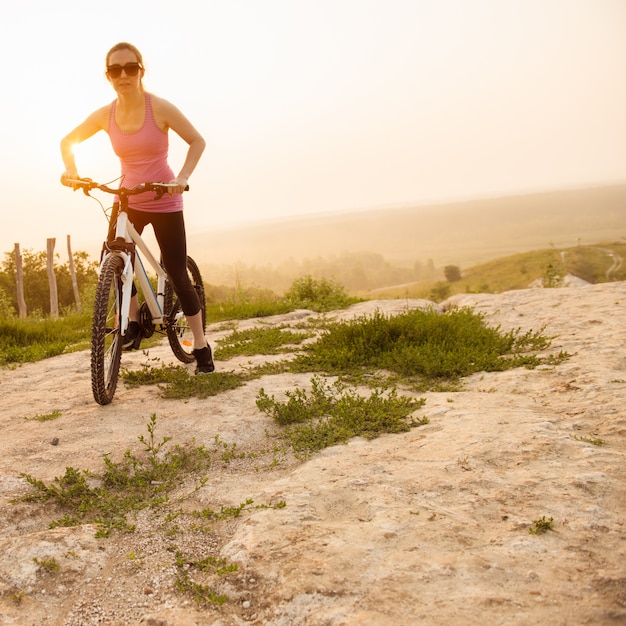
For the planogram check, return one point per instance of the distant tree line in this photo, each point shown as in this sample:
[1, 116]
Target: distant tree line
[356, 271]
[36, 285]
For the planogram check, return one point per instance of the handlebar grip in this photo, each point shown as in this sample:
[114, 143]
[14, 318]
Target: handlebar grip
[78, 183]
[167, 185]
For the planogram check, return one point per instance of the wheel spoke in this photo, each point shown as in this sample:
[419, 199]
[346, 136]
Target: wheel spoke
[178, 329]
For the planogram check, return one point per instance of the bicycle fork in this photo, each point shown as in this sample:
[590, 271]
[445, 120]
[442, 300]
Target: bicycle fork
[126, 277]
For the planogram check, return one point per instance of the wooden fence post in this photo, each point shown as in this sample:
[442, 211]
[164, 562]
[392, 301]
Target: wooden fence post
[54, 296]
[79, 308]
[19, 283]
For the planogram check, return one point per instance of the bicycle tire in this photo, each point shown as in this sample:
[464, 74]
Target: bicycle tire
[106, 339]
[177, 328]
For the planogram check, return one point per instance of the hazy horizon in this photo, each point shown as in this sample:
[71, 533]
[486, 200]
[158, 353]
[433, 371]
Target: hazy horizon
[462, 233]
[465, 232]
[318, 109]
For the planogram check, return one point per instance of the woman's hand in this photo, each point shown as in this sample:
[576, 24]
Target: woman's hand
[178, 185]
[69, 174]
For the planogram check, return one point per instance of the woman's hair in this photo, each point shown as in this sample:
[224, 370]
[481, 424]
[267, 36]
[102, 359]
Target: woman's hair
[123, 45]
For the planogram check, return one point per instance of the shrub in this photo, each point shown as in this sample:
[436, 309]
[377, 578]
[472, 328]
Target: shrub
[452, 273]
[333, 414]
[317, 295]
[7, 310]
[419, 344]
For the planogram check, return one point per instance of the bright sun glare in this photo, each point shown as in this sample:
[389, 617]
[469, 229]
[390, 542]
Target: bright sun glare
[95, 158]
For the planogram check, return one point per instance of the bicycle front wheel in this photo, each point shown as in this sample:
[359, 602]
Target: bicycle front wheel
[106, 338]
[178, 330]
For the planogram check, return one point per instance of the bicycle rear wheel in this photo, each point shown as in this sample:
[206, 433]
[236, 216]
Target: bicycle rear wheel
[177, 327]
[106, 339]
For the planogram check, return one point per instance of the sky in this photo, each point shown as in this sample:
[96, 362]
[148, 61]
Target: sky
[317, 106]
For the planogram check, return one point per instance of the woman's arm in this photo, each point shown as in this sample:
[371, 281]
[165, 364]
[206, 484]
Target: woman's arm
[95, 122]
[168, 116]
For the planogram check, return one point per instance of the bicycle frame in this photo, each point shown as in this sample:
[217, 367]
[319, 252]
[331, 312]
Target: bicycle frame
[134, 266]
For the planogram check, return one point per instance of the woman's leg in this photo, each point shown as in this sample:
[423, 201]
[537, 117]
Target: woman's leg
[169, 229]
[133, 314]
[197, 328]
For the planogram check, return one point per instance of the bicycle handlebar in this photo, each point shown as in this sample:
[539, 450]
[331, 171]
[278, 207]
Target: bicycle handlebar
[87, 184]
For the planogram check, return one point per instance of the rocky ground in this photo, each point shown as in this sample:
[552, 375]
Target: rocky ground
[427, 527]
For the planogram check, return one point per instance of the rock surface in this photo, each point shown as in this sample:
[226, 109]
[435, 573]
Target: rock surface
[427, 527]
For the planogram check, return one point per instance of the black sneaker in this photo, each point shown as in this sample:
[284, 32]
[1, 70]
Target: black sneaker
[132, 338]
[204, 358]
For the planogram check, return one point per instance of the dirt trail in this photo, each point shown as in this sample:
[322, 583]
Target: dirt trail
[618, 261]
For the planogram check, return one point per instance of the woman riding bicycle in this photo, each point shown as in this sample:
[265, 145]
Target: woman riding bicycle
[137, 123]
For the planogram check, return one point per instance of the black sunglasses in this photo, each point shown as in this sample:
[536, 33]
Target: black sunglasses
[131, 69]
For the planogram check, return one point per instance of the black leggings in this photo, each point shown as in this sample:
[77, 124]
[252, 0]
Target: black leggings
[169, 230]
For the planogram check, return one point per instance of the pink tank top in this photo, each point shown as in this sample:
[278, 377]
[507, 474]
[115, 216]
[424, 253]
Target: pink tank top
[143, 157]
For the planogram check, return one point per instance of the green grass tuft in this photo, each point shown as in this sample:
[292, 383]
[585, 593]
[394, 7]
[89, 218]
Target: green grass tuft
[33, 339]
[175, 382]
[420, 345]
[135, 482]
[333, 414]
[46, 417]
[260, 340]
[541, 526]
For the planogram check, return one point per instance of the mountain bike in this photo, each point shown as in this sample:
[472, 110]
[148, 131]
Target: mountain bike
[160, 312]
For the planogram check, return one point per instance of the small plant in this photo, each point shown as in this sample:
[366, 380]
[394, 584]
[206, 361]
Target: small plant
[317, 295]
[176, 382]
[254, 341]
[554, 274]
[200, 593]
[333, 414]
[541, 526]
[151, 445]
[553, 277]
[48, 565]
[17, 596]
[595, 441]
[45, 417]
[149, 375]
[228, 451]
[230, 512]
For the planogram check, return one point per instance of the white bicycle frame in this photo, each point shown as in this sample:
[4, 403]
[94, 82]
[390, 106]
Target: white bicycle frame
[126, 231]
